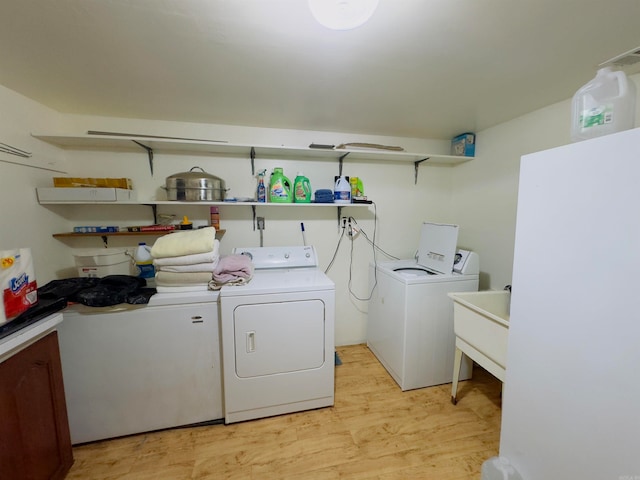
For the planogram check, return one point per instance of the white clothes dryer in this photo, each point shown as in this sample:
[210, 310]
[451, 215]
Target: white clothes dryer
[410, 316]
[278, 336]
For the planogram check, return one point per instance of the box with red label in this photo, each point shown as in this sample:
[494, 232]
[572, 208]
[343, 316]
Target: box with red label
[17, 283]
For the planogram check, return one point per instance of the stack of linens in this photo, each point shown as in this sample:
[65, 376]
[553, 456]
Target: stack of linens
[186, 260]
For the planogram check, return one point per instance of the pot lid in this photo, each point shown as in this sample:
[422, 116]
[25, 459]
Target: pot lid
[192, 174]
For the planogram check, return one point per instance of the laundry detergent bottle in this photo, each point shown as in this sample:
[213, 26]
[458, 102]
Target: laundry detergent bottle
[342, 190]
[144, 264]
[301, 189]
[280, 187]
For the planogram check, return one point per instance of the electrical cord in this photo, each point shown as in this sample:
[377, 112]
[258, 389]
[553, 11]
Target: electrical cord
[375, 248]
[335, 253]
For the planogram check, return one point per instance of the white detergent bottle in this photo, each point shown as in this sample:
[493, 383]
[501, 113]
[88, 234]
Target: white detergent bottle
[342, 190]
[607, 104]
[499, 468]
[144, 264]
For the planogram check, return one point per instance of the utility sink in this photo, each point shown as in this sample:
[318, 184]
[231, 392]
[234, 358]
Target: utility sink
[481, 326]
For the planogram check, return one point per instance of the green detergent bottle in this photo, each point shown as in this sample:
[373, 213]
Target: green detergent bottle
[301, 189]
[280, 187]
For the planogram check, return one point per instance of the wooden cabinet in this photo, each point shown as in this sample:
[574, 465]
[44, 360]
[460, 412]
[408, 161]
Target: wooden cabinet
[34, 431]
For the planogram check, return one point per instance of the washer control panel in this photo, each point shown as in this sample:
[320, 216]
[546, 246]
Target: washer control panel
[280, 257]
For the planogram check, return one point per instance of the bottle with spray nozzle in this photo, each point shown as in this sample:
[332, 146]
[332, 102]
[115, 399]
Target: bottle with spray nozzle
[262, 191]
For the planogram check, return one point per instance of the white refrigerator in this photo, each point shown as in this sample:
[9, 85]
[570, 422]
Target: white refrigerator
[571, 405]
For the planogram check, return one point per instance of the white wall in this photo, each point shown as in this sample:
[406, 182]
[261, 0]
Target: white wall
[401, 205]
[23, 222]
[480, 196]
[485, 191]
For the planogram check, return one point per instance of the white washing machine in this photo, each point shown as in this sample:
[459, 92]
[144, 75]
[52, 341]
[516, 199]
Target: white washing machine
[277, 335]
[410, 317]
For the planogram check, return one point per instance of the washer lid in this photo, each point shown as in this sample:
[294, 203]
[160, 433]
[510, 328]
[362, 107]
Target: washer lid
[437, 247]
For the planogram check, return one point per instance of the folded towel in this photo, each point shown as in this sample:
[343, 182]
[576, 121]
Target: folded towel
[186, 242]
[196, 267]
[206, 257]
[173, 279]
[233, 267]
[196, 287]
[217, 285]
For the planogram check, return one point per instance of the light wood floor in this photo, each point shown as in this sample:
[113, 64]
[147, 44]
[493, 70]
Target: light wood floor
[374, 431]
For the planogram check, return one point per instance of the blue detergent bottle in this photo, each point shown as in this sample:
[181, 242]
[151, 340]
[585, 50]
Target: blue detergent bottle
[262, 190]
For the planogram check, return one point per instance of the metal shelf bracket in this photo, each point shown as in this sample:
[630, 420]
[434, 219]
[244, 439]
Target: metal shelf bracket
[149, 153]
[340, 160]
[416, 164]
[252, 154]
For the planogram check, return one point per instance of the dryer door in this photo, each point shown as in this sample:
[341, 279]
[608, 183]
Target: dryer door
[279, 337]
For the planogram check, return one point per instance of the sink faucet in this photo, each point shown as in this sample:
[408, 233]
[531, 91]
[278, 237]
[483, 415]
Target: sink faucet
[508, 289]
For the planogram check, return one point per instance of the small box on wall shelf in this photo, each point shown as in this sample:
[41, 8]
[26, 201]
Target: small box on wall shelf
[464, 145]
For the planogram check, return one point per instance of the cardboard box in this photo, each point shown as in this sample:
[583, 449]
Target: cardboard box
[75, 182]
[464, 145]
[53, 194]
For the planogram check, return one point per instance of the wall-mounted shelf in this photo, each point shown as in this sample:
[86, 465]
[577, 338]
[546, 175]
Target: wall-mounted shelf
[219, 233]
[105, 236]
[154, 205]
[161, 145]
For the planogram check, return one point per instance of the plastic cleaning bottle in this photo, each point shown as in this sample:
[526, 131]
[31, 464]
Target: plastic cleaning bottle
[499, 468]
[301, 189]
[280, 187]
[342, 190]
[262, 191]
[607, 104]
[144, 264]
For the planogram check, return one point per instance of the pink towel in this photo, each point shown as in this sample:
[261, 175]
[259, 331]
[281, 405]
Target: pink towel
[233, 267]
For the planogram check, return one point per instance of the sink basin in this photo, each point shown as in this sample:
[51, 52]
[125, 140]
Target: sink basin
[481, 326]
[492, 304]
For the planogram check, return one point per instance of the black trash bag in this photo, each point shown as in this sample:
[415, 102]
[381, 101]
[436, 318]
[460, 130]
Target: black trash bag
[141, 297]
[111, 290]
[99, 292]
[67, 288]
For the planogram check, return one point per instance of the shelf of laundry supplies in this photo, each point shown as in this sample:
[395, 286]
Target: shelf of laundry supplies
[213, 204]
[161, 145]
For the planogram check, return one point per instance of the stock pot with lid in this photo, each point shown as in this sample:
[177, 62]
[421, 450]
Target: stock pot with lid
[193, 186]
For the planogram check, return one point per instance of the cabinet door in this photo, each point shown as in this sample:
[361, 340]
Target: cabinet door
[34, 434]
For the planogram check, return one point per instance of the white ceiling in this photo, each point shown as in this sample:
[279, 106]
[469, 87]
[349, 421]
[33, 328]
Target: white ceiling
[419, 68]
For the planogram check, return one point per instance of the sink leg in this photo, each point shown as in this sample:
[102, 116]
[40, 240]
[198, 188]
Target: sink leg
[457, 363]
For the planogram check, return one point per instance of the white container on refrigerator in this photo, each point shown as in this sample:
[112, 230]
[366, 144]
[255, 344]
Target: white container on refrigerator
[410, 317]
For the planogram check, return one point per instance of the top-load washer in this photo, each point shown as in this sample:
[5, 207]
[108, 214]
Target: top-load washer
[410, 316]
[278, 336]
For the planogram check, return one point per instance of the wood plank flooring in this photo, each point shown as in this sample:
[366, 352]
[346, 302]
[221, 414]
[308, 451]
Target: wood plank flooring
[374, 432]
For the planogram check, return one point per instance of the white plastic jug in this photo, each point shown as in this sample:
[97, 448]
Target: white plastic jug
[144, 264]
[607, 104]
[499, 468]
[342, 190]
